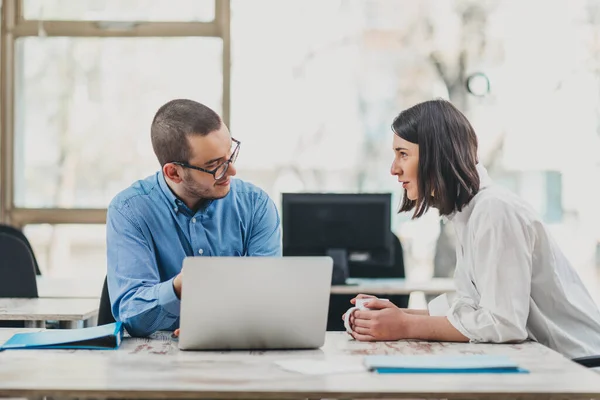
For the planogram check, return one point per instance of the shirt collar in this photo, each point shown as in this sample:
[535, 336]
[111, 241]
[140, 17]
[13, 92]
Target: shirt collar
[484, 177]
[174, 202]
[484, 181]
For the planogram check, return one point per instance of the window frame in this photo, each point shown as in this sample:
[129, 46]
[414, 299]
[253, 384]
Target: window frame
[14, 26]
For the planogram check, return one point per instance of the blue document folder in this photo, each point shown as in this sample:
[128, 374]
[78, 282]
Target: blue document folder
[98, 337]
[474, 364]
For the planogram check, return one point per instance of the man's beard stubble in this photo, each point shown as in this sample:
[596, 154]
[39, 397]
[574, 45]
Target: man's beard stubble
[192, 190]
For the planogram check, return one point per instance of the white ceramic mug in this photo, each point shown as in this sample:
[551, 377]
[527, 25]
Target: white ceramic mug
[360, 305]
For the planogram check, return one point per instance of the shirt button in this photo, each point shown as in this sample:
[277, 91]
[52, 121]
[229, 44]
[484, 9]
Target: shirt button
[175, 209]
[193, 220]
[200, 251]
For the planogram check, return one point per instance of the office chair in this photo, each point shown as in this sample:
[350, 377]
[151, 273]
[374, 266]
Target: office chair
[17, 269]
[105, 315]
[17, 273]
[339, 303]
[360, 270]
[12, 231]
[589, 362]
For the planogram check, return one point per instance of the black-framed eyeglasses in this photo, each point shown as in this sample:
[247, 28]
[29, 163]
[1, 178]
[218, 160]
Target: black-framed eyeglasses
[221, 170]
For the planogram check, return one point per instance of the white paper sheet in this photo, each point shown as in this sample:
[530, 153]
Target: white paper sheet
[320, 367]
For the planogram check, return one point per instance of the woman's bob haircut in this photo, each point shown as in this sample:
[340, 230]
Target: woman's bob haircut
[447, 174]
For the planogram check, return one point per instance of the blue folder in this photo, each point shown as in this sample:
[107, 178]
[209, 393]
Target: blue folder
[98, 337]
[472, 364]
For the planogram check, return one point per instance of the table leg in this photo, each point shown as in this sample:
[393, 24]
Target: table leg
[35, 324]
[68, 324]
[90, 322]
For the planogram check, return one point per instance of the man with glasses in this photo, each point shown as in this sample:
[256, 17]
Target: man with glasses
[192, 207]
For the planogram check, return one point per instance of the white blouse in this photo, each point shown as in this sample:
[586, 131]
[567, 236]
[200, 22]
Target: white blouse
[513, 282]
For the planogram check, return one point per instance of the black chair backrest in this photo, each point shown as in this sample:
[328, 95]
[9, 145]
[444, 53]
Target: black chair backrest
[104, 311]
[589, 362]
[17, 271]
[361, 270]
[339, 303]
[12, 231]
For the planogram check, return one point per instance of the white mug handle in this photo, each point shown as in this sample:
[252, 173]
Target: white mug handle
[347, 318]
[360, 305]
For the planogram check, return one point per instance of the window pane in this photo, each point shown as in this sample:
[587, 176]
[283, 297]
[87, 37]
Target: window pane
[119, 10]
[69, 250]
[84, 107]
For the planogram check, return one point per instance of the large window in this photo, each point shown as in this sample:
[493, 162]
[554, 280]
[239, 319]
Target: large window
[69, 249]
[315, 85]
[81, 83]
[333, 74]
[84, 108]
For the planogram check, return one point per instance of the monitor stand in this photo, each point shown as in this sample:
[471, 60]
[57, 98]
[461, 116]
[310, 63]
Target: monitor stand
[340, 266]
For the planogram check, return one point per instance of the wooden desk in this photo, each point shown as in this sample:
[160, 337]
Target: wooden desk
[51, 287]
[36, 311]
[92, 288]
[155, 368]
[395, 286]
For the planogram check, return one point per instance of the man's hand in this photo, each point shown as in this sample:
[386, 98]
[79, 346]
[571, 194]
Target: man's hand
[177, 285]
[383, 321]
[176, 333]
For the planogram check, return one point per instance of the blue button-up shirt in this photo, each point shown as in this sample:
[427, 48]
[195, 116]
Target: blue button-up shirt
[150, 231]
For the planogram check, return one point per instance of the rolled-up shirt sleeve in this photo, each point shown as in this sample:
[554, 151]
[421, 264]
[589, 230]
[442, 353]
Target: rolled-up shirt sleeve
[439, 306]
[501, 251]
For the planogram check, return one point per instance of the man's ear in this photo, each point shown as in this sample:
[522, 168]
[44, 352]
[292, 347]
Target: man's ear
[173, 172]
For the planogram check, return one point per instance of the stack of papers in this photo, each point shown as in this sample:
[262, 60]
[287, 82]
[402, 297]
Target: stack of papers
[319, 367]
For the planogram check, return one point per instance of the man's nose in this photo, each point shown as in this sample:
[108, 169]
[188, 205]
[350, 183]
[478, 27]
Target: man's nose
[231, 171]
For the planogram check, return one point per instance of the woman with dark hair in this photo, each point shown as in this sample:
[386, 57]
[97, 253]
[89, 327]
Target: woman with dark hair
[513, 282]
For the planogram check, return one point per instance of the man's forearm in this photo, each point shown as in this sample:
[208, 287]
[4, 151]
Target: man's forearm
[425, 327]
[145, 310]
[148, 322]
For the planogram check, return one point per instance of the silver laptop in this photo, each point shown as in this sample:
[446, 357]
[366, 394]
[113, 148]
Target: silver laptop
[240, 303]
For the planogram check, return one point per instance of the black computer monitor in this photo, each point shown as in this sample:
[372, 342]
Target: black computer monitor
[350, 227]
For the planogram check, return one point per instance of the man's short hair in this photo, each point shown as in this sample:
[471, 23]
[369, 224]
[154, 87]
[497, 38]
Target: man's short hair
[447, 156]
[175, 121]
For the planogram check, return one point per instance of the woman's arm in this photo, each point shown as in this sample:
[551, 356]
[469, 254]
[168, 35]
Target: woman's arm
[433, 328]
[501, 252]
[406, 310]
[413, 311]
[385, 321]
